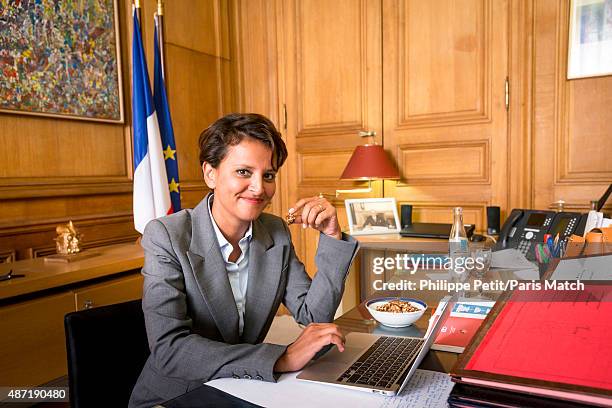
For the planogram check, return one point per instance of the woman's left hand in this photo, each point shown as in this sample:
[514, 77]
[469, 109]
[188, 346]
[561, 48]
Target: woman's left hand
[318, 213]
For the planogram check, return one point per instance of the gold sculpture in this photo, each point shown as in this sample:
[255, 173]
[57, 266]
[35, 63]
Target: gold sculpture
[68, 239]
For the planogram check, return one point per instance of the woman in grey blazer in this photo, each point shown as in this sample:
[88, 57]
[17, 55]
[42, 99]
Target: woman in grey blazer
[216, 275]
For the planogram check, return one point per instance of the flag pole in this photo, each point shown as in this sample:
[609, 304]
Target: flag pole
[138, 12]
[159, 18]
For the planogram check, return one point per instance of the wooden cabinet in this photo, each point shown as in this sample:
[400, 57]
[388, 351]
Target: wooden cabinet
[32, 345]
[434, 97]
[429, 77]
[445, 65]
[333, 83]
[32, 308]
[571, 120]
[108, 293]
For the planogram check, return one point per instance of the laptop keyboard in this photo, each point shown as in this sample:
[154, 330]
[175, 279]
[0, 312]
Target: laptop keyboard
[383, 363]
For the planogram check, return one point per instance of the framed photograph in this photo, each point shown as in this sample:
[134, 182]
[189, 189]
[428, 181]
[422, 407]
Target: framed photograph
[61, 59]
[590, 39]
[372, 216]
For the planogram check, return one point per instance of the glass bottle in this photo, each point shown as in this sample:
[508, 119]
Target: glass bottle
[458, 245]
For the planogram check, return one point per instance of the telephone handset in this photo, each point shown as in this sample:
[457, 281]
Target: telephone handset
[524, 228]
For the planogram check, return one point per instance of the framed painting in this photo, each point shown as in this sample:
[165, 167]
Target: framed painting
[61, 59]
[590, 39]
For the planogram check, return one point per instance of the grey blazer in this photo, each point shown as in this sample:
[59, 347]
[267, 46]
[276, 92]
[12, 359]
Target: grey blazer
[190, 311]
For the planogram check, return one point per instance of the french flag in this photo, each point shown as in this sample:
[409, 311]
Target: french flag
[151, 193]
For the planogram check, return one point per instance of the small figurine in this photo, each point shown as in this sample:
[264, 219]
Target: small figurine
[68, 239]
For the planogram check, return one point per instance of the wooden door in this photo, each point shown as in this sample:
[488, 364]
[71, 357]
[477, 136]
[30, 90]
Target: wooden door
[331, 82]
[445, 65]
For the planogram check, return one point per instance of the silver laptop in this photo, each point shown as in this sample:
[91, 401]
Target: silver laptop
[373, 363]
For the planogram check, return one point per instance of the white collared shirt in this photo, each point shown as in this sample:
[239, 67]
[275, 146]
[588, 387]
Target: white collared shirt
[237, 272]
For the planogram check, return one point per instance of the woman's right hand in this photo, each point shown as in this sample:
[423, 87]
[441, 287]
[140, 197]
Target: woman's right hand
[313, 338]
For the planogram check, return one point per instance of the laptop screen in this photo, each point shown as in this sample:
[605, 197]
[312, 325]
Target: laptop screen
[429, 338]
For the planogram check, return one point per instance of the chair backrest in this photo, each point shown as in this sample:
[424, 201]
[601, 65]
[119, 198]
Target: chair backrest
[107, 348]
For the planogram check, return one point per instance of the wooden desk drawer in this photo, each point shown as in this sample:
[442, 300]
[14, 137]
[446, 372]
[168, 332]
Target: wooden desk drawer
[108, 293]
[32, 345]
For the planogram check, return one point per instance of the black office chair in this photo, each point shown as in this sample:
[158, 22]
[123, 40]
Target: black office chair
[107, 348]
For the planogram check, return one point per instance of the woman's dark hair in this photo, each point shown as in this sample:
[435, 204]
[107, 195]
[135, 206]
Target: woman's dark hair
[231, 129]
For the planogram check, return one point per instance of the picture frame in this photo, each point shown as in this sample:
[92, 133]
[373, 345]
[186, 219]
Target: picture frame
[368, 216]
[62, 59]
[590, 39]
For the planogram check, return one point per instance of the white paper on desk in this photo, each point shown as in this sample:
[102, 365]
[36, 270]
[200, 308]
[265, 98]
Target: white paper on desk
[510, 258]
[587, 268]
[425, 389]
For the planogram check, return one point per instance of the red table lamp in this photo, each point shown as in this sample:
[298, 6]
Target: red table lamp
[368, 162]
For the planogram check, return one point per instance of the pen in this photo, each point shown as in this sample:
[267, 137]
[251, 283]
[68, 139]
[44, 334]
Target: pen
[547, 250]
[537, 253]
[9, 276]
[549, 243]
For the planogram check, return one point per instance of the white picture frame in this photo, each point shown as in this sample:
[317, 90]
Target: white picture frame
[589, 51]
[369, 216]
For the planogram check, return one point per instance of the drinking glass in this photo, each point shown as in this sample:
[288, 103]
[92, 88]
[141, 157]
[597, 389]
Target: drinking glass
[482, 263]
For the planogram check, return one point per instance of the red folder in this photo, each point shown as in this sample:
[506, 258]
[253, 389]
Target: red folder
[550, 343]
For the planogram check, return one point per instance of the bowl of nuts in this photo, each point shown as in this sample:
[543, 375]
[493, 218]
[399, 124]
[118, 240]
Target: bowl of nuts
[396, 311]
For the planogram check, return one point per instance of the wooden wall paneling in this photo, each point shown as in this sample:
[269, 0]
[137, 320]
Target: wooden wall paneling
[7, 256]
[257, 74]
[445, 119]
[195, 101]
[572, 143]
[36, 238]
[331, 93]
[199, 77]
[62, 169]
[520, 184]
[211, 19]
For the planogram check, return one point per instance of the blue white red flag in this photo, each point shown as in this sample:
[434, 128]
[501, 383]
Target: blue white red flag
[151, 194]
[162, 109]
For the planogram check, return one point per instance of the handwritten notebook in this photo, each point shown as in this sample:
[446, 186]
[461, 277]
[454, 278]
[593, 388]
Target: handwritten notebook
[552, 343]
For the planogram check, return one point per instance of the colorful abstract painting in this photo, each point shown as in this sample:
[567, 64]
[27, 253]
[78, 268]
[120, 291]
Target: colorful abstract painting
[60, 58]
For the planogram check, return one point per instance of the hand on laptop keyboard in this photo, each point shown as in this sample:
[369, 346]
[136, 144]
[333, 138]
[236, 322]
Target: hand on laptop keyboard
[314, 338]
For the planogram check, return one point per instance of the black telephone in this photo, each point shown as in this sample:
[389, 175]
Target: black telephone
[524, 228]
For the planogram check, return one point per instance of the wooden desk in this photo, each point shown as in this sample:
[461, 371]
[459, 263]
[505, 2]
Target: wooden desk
[41, 275]
[32, 308]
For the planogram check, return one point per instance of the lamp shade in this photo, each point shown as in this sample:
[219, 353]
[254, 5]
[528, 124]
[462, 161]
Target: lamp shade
[370, 162]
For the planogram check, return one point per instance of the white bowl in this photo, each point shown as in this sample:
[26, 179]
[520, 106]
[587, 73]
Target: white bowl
[392, 319]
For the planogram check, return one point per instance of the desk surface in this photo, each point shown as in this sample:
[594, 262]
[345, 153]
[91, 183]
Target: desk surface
[41, 275]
